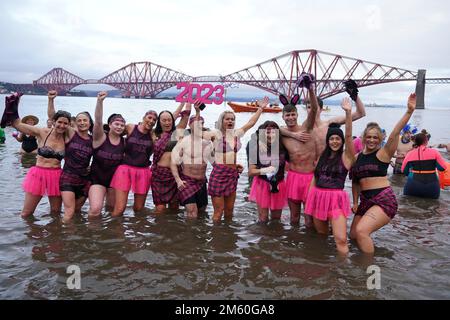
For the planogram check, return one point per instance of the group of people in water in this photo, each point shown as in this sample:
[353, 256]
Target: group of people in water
[316, 154]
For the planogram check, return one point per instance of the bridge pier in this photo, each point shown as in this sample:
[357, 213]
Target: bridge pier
[420, 89]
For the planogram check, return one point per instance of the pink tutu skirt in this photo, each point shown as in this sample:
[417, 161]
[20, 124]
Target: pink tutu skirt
[324, 204]
[132, 178]
[297, 185]
[41, 181]
[260, 193]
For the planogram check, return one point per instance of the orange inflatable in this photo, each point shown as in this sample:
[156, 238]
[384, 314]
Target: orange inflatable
[444, 177]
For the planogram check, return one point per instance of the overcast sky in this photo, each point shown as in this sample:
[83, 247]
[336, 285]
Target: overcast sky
[208, 37]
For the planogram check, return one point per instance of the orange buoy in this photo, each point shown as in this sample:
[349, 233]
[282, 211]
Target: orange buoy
[444, 177]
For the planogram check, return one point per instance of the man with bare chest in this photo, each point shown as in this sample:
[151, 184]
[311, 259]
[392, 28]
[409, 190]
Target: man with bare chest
[192, 154]
[321, 126]
[302, 155]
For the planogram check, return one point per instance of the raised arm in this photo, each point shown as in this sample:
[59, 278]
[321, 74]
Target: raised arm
[177, 112]
[98, 133]
[386, 153]
[51, 103]
[358, 114]
[349, 147]
[261, 104]
[314, 107]
[184, 117]
[26, 128]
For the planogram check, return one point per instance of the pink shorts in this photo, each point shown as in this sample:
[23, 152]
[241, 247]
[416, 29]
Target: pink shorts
[132, 178]
[41, 181]
[297, 185]
[325, 204]
[260, 193]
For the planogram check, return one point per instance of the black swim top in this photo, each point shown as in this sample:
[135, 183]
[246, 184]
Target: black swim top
[29, 143]
[331, 177]
[368, 165]
[48, 152]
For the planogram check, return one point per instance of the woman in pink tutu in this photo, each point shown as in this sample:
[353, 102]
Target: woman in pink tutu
[43, 179]
[267, 159]
[75, 181]
[134, 173]
[327, 200]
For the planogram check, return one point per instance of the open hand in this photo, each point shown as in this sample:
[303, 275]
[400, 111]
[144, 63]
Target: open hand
[263, 103]
[181, 184]
[346, 105]
[412, 102]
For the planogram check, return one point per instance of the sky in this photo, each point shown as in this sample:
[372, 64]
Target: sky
[207, 37]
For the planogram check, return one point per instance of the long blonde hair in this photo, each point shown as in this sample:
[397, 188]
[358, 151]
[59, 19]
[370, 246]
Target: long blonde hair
[219, 123]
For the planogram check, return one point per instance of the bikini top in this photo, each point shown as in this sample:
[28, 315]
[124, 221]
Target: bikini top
[48, 152]
[225, 146]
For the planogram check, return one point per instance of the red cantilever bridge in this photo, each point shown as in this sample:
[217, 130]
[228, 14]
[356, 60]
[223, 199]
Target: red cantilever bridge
[278, 75]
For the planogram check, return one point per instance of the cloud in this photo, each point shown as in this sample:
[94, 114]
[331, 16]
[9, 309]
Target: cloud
[200, 37]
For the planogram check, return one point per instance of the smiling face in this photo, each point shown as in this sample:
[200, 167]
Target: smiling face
[372, 139]
[335, 142]
[61, 125]
[83, 123]
[166, 122]
[149, 121]
[117, 127]
[290, 118]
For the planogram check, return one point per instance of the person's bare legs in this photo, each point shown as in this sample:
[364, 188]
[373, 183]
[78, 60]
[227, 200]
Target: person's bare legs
[355, 222]
[55, 204]
[191, 210]
[339, 226]
[120, 203]
[373, 219]
[219, 207]
[263, 215]
[97, 194]
[110, 199]
[294, 208]
[30, 204]
[321, 227]
[68, 198]
[229, 206]
[139, 202]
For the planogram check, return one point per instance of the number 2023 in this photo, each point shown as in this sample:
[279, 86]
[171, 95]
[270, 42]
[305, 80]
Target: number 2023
[193, 91]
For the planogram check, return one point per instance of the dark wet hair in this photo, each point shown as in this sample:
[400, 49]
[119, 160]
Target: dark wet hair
[62, 114]
[420, 139]
[158, 129]
[91, 122]
[326, 159]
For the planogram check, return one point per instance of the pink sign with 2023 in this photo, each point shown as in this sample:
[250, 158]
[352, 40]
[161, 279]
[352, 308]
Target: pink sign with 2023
[206, 93]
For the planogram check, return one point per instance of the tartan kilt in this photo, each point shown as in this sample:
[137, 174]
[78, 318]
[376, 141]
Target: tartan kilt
[192, 187]
[164, 186]
[386, 200]
[222, 181]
